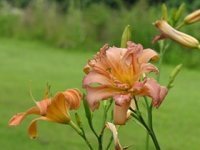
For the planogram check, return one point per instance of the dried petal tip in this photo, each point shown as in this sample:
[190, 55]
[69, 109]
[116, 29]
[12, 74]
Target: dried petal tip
[113, 129]
[193, 17]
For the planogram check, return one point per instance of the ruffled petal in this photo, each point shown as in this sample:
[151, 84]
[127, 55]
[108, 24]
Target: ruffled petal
[94, 77]
[115, 135]
[122, 98]
[147, 68]
[96, 94]
[155, 91]
[73, 98]
[147, 55]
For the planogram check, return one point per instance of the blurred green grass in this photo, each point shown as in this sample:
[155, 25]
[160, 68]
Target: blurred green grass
[25, 64]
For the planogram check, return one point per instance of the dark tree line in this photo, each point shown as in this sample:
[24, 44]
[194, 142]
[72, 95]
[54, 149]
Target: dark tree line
[64, 4]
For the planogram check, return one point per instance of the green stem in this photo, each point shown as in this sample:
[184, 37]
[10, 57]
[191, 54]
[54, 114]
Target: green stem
[105, 115]
[149, 130]
[109, 143]
[82, 134]
[180, 25]
[136, 114]
[149, 120]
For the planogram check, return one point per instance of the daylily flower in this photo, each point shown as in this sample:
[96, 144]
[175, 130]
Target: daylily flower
[117, 73]
[168, 31]
[54, 109]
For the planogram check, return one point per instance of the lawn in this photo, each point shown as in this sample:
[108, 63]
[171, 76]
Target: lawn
[25, 65]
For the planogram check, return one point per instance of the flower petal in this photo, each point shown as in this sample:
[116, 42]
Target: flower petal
[32, 129]
[18, 118]
[120, 113]
[96, 94]
[115, 135]
[42, 105]
[94, 77]
[73, 98]
[58, 110]
[155, 91]
[147, 55]
[147, 68]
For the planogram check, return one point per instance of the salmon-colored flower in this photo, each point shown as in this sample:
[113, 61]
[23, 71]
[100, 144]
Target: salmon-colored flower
[117, 73]
[168, 31]
[54, 109]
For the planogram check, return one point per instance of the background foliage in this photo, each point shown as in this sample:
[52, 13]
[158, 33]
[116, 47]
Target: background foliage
[91, 23]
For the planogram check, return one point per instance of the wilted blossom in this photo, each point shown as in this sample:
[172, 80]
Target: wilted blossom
[168, 31]
[118, 73]
[113, 129]
[54, 109]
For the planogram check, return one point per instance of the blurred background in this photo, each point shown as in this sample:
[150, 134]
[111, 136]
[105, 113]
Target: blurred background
[51, 40]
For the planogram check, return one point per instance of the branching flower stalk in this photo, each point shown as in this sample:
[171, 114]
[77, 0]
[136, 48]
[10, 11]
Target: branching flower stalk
[148, 126]
[81, 133]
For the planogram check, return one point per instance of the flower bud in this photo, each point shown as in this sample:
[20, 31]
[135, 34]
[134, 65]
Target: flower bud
[192, 17]
[126, 36]
[173, 75]
[179, 12]
[164, 12]
[180, 37]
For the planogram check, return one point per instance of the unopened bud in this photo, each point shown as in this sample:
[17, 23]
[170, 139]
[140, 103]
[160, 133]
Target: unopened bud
[192, 17]
[164, 12]
[179, 12]
[126, 36]
[78, 120]
[173, 75]
[180, 37]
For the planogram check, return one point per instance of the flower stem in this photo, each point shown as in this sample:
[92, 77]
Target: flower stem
[137, 115]
[109, 143]
[105, 115]
[82, 134]
[180, 25]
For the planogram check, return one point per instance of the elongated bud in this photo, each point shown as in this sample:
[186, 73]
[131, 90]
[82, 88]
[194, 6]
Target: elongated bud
[193, 17]
[88, 113]
[180, 37]
[126, 36]
[78, 120]
[173, 75]
[164, 12]
[179, 12]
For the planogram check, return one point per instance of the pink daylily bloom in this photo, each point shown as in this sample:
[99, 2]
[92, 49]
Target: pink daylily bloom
[117, 73]
[54, 109]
